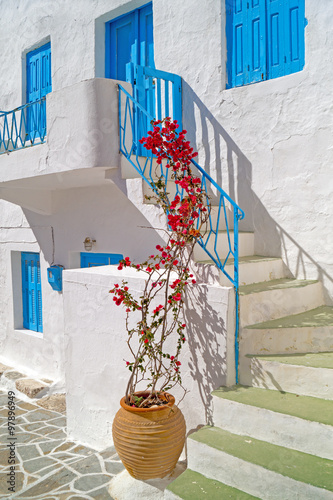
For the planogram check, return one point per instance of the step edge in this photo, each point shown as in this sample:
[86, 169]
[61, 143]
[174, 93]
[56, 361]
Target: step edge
[290, 450]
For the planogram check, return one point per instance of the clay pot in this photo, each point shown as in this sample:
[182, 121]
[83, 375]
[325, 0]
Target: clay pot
[149, 440]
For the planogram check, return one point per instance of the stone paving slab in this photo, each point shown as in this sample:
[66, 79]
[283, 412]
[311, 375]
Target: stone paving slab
[47, 465]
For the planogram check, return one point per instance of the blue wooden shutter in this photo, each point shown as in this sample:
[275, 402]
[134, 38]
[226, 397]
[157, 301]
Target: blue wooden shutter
[39, 73]
[39, 84]
[99, 259]
[246, 41]
[255, 50]
[31, 292]
[275, 38]
[294, 17]
[285, 26]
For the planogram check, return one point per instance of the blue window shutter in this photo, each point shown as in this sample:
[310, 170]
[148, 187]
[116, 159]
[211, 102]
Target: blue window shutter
[294, 15]
[39, 73]
[25, 291]
[39, 84]
[236, 24]
[31, 292]
[89, 259]
[39, 316]
[275, 38]
[255, 50]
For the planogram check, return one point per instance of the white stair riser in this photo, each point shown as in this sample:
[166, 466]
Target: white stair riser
[248, 477]
[245, 246]
[286, 340]
[274, 304]
[257, 272]
[302, 380]
[276, 428]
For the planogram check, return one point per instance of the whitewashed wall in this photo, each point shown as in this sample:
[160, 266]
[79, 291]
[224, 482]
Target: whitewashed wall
[268, 144]
[96, 350]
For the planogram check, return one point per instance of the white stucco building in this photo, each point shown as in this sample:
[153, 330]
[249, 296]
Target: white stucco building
[260, 116]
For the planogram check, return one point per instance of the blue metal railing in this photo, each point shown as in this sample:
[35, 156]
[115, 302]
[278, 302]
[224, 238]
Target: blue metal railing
[23, 126]
[132, 118]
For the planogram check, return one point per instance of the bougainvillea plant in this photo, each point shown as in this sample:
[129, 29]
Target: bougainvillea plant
[155, 326]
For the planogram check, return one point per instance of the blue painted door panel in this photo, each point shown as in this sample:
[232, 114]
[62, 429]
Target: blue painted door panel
[99, 259]
[38, 85]
[31, 292]
[129, 38]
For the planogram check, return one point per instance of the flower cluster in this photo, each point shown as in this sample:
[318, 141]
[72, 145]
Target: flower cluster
[167, 270]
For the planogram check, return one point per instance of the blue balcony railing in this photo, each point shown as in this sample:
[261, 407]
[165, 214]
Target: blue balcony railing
[23, 127]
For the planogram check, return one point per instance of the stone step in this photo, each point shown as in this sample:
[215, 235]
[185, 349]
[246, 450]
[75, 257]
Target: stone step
[261, 469]
[303, 374]
[266, 301]
[194, 486]
[245, 245]
[256, 269]
[299, 422]
[311, 331]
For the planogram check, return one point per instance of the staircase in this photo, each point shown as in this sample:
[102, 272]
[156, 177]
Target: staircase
[273, 435]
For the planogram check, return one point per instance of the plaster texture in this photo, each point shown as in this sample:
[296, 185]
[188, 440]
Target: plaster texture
[96, 350]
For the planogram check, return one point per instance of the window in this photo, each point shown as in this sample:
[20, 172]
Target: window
[265, 39]
[31, 292]
[129, 38]
[38, 85]
[99, 259]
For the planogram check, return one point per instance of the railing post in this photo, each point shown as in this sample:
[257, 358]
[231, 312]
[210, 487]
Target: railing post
[236, 286]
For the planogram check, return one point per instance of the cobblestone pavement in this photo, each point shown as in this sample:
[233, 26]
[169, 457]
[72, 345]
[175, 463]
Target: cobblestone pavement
[49, 467]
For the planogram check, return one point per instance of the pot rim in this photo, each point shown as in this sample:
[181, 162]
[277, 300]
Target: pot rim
[134, 409]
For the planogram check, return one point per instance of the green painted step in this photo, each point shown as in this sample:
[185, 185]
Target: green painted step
[246, 259]
[319, 317]
[305, 407]
[302, 467]
[316, 360]
[194, 486]
[280, 284]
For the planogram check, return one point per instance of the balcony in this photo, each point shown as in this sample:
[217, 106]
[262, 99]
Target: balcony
[68, 139]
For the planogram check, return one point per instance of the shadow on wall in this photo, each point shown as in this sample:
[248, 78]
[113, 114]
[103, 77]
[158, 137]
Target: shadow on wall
[206, 340]
[223, 155]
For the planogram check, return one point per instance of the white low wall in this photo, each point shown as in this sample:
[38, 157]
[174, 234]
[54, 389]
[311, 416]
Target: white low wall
[96, 350]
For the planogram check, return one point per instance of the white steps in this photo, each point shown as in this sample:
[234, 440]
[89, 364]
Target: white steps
[299, 422]
[305, 374]
[278, 298]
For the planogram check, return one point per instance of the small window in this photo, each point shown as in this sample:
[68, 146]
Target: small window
[99, 259]
[265, 39]
[31, 292]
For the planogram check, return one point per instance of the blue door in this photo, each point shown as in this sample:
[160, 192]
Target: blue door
[38, 85]
[31, 292]
[99, 259]
[129, 38]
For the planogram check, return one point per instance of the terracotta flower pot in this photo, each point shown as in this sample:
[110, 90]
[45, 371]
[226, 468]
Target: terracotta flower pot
[149, 440]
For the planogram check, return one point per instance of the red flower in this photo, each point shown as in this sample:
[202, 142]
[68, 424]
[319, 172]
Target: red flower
[175, 262]
[126, 288]
[116, 286]
[172, 358]
[194, 282]
[146, 341]
[178, 363]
